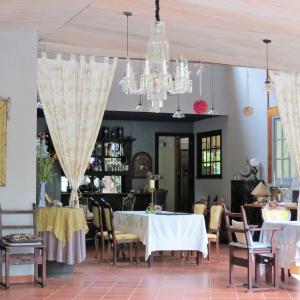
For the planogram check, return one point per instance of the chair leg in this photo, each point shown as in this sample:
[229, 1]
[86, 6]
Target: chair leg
[35, 262]
[43, 267]
[230, 266]
[136, 252]
[256, 269]
[7, 263]
[199, 258]
[276, 269]
[188, 254]
[282, 274]
[108, 250]
[208, 252]
[218, 250]
[268, 271]
[102, 247]
[250, 272]
[96, 241]
[130, 252]
[115, 254]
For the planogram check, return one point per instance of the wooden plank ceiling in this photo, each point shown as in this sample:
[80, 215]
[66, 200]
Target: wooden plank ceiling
[219, 31]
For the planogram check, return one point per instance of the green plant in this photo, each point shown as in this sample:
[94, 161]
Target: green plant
[45, 160]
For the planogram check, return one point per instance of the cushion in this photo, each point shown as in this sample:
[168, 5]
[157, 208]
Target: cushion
[276, 214]
[211, 236]
[240, 237]
[21, 238]
[105, 233]
[126, 236]
[215, 217]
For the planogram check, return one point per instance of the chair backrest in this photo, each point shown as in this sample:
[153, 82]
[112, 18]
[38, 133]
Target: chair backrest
[108, 217]
[97, 214]
[215, 217]
[160, 197]
[200, 207]
[128, 202]
[237, 227]
[18, 213]
[276, 214]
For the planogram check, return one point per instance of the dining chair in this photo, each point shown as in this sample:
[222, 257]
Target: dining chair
[200, 207]
[128, 202]
[160, 197]
[114, 238]
[274, 213]
[215, 217]
[240, 239]
[100, 234]
[15, 247]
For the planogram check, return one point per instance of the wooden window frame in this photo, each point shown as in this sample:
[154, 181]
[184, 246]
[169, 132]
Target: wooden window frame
[272, 112]
[199, 154]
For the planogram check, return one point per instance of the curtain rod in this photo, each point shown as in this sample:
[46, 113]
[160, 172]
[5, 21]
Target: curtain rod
[43, 42]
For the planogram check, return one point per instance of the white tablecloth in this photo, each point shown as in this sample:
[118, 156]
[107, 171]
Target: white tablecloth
[164, 232]
[287, 240]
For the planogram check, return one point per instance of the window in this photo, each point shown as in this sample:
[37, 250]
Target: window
[280, 167]
[209, 155]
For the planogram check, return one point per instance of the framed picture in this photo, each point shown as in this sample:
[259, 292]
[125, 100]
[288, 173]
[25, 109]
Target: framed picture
[141, 165]
[3, 129]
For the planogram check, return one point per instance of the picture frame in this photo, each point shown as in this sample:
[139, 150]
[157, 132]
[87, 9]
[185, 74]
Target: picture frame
[141, 165]
[3, 140]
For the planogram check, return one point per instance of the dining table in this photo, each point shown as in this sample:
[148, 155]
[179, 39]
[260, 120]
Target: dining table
[287, 239]
[165, 231]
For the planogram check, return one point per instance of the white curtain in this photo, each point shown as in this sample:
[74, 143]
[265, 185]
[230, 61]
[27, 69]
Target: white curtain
[287, 88]
[74, 95]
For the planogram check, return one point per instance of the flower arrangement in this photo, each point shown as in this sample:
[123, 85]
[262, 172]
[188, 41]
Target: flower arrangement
[45, 160]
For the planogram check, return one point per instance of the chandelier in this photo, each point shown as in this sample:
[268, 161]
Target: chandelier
[156, 81]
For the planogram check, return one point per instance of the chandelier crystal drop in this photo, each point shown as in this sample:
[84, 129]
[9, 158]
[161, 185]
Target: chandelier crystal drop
[156, 81]
[178, 114]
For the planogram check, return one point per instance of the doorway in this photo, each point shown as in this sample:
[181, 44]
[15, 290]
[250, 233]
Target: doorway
[174, 162]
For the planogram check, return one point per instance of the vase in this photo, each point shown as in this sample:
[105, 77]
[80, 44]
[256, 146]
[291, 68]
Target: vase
[42, 202]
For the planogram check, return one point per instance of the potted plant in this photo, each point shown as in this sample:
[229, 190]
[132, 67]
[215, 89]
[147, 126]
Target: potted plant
[45, 161]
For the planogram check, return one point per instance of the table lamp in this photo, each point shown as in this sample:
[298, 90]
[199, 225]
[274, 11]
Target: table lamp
[260, 191]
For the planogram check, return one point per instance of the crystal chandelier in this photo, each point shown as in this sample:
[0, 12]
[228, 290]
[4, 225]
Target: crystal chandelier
[156, 81]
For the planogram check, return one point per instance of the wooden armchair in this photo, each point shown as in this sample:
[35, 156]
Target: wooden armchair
[241, 231]
[115, 238]
[8, 255]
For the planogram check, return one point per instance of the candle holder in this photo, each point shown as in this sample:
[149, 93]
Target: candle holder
[152, 208]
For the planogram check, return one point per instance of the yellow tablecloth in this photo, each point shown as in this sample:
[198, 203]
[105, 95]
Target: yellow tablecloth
[63, 222]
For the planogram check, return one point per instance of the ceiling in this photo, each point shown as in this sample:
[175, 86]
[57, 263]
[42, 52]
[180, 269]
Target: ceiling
[220, 31]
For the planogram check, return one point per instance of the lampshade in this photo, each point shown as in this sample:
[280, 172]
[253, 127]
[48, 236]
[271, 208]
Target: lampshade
[260, 190]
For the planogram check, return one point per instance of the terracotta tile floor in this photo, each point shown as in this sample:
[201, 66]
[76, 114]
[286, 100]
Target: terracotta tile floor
[168, 278]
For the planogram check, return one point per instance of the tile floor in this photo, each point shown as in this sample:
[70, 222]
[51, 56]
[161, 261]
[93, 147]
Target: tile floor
[169, 278]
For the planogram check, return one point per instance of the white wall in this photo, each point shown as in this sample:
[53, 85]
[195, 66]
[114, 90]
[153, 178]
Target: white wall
[18, 80]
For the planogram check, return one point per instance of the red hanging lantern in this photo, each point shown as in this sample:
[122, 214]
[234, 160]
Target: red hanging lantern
[200, 107]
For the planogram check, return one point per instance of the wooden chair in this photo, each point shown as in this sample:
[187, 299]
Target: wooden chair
[274, 213]
[115, 239]
[100, 234]
[215, 218]
[7, 248]
[160, 197]
[200, 207]
[128, 202]
[241, 231]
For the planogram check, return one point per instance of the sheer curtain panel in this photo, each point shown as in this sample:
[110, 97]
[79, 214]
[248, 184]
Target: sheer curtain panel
[74, 93]
[287, 89]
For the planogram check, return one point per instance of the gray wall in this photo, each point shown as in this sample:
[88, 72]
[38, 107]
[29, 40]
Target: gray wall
[243, 137]
[18, 80]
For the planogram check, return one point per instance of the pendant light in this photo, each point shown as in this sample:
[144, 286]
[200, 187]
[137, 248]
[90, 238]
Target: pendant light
[212, 112]
[128, 82]
[140, 106]
[178, 114]
[268, 82]
[247, 110]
